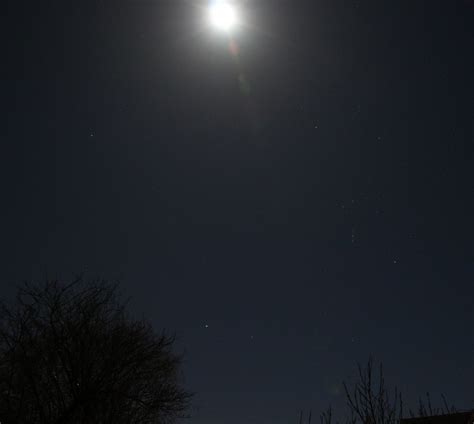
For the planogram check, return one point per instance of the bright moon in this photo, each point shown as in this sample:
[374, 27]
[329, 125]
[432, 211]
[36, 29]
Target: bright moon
[223, 15]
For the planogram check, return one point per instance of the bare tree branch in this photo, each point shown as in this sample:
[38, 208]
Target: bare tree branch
[69, 353]
[369, 401]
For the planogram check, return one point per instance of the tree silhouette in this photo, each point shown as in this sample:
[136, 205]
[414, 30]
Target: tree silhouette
[426, 409]
[71, 354]
[370, 401]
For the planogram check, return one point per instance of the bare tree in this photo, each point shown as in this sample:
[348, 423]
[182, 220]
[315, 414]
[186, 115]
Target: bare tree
[71, 354]
[369, 400]
[426, 409]
[326, 416]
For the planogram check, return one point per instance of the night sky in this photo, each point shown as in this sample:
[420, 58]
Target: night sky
[288, 205]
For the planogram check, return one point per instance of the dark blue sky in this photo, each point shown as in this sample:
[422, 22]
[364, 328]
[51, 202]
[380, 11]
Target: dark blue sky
[319, 215]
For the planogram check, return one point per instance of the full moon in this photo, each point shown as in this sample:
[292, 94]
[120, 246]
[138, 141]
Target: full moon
[222, 15]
